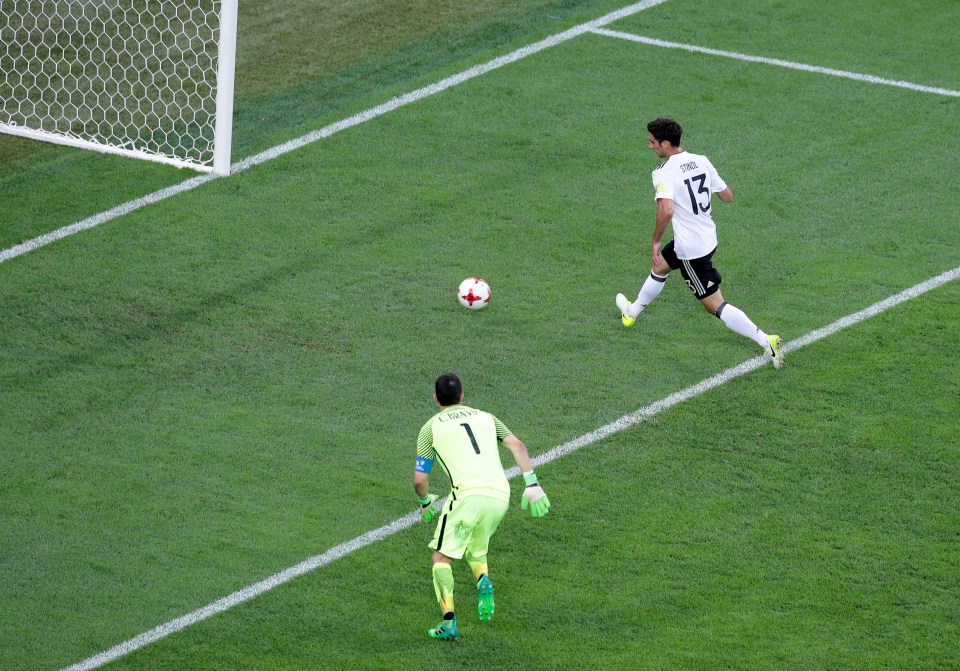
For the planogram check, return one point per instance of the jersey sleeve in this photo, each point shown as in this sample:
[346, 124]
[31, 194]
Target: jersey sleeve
[662, 185]
[716, 181]
[425, 450]
[502, 430]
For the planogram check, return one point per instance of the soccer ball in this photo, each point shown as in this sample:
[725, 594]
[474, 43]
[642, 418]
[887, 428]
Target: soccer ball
[473, 293]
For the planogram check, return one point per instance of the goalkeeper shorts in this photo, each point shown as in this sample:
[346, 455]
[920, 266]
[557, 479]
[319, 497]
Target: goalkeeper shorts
[466, 525]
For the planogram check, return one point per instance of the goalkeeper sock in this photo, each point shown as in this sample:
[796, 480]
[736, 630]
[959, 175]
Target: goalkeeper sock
[651, 289]
[478, 565]
[736, 320]
[443, 586]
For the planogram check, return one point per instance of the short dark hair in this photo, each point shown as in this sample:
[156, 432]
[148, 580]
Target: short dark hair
[448, 389]
[665, 130]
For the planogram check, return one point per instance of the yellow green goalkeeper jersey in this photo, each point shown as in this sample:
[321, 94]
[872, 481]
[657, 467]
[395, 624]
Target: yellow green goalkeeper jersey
[466, 442]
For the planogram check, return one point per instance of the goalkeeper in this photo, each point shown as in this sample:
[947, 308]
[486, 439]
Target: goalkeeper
[464, 441]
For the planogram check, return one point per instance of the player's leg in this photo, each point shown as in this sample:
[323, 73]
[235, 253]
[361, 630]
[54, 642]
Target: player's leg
[485, 602]
[737, 321]
[443, 585]
[490, 513]
[733, 317]
[446, 548]
[704, 280]
[651, 288]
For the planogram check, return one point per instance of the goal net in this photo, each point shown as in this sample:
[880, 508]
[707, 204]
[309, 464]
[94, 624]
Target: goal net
[151, 79]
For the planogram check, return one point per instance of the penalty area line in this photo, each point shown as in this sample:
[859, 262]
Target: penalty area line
[402, 523]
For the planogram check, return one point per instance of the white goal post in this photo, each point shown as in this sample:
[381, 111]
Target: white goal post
[151, 79]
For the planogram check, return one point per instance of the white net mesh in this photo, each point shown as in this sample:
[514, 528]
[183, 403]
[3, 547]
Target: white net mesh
[137, 75]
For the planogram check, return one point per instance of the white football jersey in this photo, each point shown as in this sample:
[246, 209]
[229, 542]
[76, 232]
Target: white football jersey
[690, 180]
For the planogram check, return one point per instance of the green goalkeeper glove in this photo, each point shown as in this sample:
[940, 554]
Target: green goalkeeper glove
[426, 507]
[534, 497]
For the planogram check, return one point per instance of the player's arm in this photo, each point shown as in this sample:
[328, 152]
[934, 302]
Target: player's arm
[717, 185]
[421, 484]
[533, 495]
[421, 471]
[664, 217]
[519, 452]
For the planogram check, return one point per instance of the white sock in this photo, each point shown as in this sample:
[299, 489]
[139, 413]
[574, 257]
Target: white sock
[651, 289]
[736, 320]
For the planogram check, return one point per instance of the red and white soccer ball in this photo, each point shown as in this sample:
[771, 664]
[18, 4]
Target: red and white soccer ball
[473, 293]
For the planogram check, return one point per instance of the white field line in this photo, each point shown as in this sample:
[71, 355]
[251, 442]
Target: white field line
[327, 131]
[777, 62]
[103, 217]
[625, 422]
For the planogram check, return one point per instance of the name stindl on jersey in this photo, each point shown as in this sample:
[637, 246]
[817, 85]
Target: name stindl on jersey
[473, 293]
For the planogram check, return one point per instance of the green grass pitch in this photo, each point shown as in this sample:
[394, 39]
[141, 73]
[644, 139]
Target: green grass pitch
[211, 389]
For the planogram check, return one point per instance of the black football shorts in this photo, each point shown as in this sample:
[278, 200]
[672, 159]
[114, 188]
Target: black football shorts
[700, 275]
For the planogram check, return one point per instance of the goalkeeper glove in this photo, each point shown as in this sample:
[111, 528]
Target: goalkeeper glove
[534, 497]
[426, 507]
